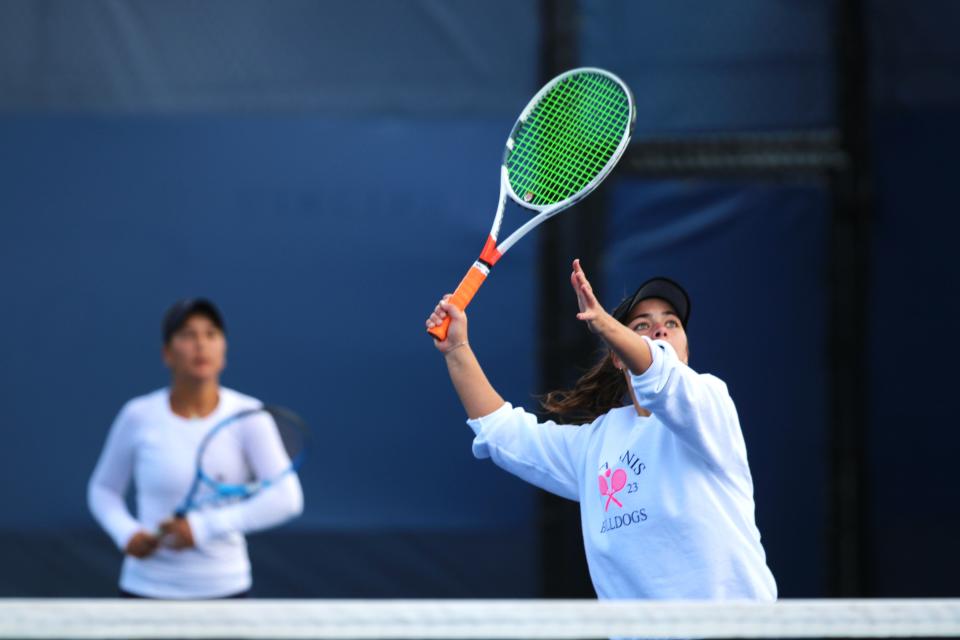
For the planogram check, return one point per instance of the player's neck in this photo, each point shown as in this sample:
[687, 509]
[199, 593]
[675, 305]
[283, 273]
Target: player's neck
[643, 413]
[194, 398]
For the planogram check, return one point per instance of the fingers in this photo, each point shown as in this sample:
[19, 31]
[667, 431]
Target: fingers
[586, 289]
[581, 286]
[443, 309]
[573, 272]
[186, 533]
[175, 533]
[150, 544]
[577, 277]
[578, 268]
[435, 319]
[142, 544]
[452, 310]
[578, 274]
[168, 534]
[590, 310]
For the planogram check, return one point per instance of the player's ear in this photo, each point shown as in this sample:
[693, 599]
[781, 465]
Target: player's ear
[165, 355]
[226, 349]
[617, 362]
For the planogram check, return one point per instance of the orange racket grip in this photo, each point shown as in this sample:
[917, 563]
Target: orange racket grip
[461, 297]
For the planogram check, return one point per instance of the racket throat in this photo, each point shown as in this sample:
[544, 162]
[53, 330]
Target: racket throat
[489, 255]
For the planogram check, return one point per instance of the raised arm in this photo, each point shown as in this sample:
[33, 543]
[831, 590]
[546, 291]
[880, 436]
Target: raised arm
[477, 395]
[633, 350]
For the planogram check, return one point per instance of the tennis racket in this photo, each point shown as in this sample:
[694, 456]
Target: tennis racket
[219, 475]
[565, 142]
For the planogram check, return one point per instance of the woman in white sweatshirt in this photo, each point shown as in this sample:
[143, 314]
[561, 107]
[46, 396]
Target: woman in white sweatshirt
[659, 468]
[153, 443]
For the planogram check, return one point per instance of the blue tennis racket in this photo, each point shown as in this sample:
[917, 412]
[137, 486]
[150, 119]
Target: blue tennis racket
[219, 475]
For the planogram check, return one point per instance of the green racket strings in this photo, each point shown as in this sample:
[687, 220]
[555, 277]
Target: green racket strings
[568, 138]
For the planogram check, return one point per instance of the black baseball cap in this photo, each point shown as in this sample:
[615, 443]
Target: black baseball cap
[181, 310]
[659, 287]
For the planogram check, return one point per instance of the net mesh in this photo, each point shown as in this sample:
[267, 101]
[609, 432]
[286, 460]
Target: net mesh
[478, 619]
[568, 138]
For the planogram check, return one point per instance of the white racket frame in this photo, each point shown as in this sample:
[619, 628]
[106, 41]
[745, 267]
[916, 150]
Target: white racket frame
[548, 211]
[492, 250]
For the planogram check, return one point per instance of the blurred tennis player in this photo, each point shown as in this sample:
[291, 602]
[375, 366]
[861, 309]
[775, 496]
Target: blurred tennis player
[154, 441]
[660, 468]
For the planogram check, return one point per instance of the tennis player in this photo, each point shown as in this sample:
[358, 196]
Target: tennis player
[154, 442]
[659, 469]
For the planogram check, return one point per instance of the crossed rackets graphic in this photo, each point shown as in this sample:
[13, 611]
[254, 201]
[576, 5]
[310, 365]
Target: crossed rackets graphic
[617, 482]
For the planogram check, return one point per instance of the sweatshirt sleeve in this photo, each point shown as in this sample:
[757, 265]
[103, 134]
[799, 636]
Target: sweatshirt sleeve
[108, 485]
[273, 505]
[696, 407]
[544, 454]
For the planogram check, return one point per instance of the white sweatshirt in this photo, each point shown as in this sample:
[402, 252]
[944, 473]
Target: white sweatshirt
[157, 449]
[666, 501]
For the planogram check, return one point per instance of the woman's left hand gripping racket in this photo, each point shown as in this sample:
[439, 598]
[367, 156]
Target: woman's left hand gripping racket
[565, 142]
[220, 453]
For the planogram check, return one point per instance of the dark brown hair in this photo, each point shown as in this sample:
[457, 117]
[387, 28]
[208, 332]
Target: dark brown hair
[599, 390]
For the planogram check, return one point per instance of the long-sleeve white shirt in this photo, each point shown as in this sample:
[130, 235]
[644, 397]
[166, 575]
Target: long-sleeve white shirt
[666, 501]
[157, 449]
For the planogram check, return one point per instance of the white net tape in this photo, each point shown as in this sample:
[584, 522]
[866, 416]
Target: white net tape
[24, 618]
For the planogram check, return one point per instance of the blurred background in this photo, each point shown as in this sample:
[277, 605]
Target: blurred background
[324, 171]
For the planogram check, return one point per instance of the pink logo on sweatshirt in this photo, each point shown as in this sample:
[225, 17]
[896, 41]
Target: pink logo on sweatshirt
[617, 482]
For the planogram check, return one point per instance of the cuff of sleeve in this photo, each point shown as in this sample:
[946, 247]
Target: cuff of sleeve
[483, 425]
[122, 537]
[204, 526]
[652, 380]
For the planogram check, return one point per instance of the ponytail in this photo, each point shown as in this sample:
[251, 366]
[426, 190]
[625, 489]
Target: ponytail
[599, 390]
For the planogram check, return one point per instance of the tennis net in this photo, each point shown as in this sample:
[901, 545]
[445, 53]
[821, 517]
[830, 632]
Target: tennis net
[468, 619]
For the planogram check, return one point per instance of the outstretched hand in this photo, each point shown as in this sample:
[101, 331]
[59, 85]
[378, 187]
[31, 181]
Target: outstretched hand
[591, 311]
[457, 332]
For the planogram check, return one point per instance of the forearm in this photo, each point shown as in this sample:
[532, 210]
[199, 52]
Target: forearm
[270, 507]
[626, 344]
[632, 349]
[477, 395]
[110, 511]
